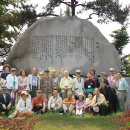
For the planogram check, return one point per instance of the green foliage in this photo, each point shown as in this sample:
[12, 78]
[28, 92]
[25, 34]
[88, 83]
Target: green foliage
[14, 14]
[107, 10]
[121, 38]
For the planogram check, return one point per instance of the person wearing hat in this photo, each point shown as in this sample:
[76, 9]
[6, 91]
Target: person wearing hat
[5, 101]
[78, 86]
[80, 104]
[12, 84]
[6, 71]
[55, 102]
[46, 84]
[39, 102]
[99, 100]
[24, 106]
[110, 96]
[69, 104]
[41, 74]
[33, 82]
[112, 78]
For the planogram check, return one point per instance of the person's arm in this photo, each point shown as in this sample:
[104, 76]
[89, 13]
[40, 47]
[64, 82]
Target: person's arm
[29, 84]
[49, 104]
[62, 84]
[16, 86]
[102, 100]
[71, 83]
[29, 108]
[19, 108]
[59, 103]
[126, 84]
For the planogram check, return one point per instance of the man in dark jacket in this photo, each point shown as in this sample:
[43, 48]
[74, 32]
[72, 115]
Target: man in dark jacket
[5, 101]
[110, 96]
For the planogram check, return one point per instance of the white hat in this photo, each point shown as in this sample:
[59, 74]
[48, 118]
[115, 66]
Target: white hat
[78, 71]
[96, 109]
[112, 69]
[24, 93]
[80, 94]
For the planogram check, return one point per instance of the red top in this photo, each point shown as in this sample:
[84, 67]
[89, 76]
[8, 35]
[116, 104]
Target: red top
[38, 101]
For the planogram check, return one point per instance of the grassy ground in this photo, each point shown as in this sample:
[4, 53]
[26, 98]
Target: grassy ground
[54, 121]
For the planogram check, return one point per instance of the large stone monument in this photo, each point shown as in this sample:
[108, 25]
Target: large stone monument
[64, 42]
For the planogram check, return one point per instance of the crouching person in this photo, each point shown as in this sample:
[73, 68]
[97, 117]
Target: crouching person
[5, 101]
[69, 104]
[80, 105]
[55, 102]
[39, 102]
[24, 107]
[99, 103]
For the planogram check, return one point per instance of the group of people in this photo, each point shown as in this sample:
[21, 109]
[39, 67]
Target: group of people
[58, 92]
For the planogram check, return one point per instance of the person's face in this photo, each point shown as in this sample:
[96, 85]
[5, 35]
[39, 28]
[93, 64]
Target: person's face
[23, 73]
[34, 70]
[6, 69]
[39, 94]
[103, 85]
[78, 74]
[55, 93]
[4, 91]
[40, 75]
[119, 76]
[66, 73]
[46, 74]
[80, 97]
[69, 96]
[89, 76]
[24, 97]
[96, 92]
[53, 73]
[90, 96]
[112, 72]
[13, 72]
[92, 72]
[102, 76]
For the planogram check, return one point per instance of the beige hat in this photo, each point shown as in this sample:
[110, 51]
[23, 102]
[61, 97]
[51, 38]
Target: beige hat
[112, 69]
[41, 72]
[78, 71]
[24, 93]
[39, 91]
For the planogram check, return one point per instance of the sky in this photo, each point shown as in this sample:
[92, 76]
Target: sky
[106, 29]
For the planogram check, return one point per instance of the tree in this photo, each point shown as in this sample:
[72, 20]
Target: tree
[121, 39]
[12, 21]
[106, 10]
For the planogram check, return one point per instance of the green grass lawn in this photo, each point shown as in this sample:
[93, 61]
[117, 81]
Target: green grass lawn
[54, 121]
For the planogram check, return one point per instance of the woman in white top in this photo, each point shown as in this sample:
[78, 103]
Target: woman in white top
[78, 86]
[24, 106]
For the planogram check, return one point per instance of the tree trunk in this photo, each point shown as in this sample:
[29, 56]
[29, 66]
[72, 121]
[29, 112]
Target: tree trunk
[73, 7]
